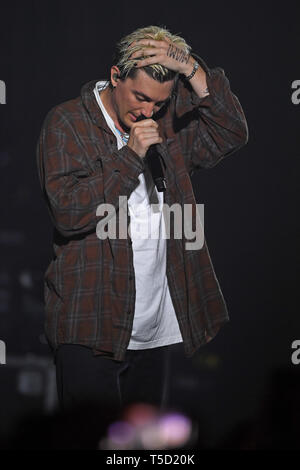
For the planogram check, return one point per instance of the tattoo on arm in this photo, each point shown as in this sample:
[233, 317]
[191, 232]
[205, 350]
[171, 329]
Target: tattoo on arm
[177, 54]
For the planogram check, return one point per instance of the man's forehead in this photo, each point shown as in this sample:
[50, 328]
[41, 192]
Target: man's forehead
[150, 88]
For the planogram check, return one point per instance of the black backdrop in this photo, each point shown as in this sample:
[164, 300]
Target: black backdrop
[48, 51]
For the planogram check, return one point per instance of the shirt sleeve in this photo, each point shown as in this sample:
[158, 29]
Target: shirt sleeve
[211, 127]
[73, 184]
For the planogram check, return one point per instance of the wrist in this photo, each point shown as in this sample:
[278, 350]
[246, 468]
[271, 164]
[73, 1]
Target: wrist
[188, 67]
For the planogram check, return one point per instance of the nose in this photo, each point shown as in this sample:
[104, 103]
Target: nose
[148, 109]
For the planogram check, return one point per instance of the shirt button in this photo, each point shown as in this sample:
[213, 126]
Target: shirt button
[128, 312]
[130, 278]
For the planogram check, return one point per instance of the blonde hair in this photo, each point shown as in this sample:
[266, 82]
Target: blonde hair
[123, 52]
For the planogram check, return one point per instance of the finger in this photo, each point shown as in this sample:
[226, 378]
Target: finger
[152, 140]
[146, 123]
[143, 42]
[157, 59]
[148, 131]
[134, 46]
[147, 51]
[151, 42]
[137, 48]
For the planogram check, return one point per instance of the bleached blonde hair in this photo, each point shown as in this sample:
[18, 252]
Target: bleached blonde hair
[123, 52]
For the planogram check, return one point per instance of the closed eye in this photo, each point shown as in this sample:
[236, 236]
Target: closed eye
[159, 103]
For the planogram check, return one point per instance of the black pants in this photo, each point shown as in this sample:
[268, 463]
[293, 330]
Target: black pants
[85, 379]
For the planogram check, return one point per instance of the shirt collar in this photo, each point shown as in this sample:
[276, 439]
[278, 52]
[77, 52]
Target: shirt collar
[91, 105]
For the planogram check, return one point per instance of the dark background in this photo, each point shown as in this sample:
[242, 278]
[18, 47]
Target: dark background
[48, 51]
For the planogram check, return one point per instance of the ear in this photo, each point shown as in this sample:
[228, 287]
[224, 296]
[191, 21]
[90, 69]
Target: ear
[114, 75]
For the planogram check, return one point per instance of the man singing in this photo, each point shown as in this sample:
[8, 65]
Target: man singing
[115, 304]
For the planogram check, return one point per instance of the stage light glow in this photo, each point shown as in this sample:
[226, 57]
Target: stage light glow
[121, 433]
[140, 413]
[174, 429]
[142, 426]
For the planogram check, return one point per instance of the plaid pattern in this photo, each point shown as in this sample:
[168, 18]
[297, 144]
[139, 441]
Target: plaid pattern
[90, 283]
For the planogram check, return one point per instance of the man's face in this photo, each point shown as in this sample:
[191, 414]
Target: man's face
[137, 96]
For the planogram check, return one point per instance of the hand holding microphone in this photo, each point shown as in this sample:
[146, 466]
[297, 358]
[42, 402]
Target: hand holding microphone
[143, 138]
[143, 133]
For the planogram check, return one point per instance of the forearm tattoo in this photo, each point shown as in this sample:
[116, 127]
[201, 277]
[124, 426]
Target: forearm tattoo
[177, 54]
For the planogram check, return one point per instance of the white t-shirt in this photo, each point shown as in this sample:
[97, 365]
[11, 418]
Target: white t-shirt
[155, 323]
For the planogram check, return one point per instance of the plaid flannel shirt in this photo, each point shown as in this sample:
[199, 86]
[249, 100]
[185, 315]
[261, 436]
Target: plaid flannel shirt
[89, 287]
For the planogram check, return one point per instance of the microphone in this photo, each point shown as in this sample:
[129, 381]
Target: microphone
[153, 159]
